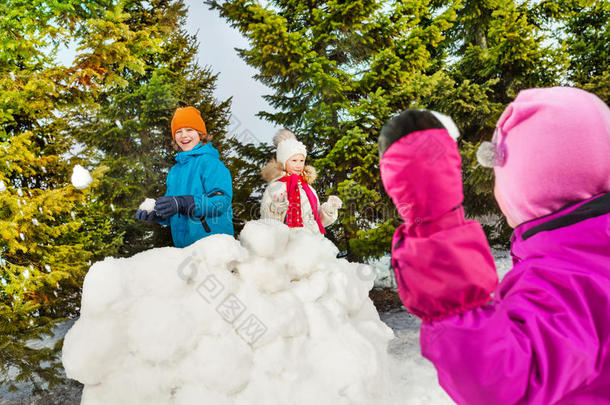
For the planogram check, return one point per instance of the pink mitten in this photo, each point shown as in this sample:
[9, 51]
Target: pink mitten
[279, 203]
[420, 165]
[442, 261]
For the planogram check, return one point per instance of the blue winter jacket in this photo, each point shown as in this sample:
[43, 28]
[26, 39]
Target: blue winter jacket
[200, 173]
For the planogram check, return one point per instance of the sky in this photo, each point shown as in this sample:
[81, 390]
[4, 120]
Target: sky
[217, 41]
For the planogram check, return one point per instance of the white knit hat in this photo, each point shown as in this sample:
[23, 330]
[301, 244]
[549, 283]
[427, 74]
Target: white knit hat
[287, 146]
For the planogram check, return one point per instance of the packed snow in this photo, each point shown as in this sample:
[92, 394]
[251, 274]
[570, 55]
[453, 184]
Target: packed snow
[147, 205]
[80, 177]
[274, 318]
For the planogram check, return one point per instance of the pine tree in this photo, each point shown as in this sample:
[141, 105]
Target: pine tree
[51, 232]
[339, 70]
[245, 162]
[499, 48]
[127, 129]
[587, 40]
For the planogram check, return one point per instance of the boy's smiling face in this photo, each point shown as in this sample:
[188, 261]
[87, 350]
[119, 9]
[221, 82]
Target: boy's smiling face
[187, 138]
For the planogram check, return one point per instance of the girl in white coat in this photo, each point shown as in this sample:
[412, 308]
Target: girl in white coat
[289, 197]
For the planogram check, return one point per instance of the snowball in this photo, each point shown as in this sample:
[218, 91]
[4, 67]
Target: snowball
[274, 318]
[147, 205]
[103, 286]
[2, 186]
[80, 177]
[274, 242]
[218, 253]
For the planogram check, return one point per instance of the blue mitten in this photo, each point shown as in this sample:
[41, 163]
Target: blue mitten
[171, 205]
[146, 216]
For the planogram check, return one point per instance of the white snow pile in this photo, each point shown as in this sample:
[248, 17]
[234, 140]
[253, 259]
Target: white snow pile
[148, 205]
[274, 318]
[80, 177]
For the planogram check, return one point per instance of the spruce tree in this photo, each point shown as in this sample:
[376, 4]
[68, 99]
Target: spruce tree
[586, 36]
[498, 49]
[51, 232]
[339, 70]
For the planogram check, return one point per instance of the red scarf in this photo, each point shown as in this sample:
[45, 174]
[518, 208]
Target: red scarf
[294, 218]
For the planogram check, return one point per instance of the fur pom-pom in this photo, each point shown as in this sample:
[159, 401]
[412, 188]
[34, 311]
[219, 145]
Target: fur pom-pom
[282, 135]
[487, 154]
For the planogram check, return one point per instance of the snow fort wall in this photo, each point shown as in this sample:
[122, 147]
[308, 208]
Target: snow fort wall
[274, 318]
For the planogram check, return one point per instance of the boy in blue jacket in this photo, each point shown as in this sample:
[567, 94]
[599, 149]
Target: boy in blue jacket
[199, 188]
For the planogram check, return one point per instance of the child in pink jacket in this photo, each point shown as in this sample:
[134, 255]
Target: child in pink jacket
[543, 335]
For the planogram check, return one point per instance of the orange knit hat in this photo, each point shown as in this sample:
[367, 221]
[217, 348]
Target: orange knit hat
[187, 117]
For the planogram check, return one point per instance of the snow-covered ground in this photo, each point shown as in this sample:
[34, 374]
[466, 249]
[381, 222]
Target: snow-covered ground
[412, 379]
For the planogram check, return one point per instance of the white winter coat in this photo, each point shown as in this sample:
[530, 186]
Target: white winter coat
[272, 172]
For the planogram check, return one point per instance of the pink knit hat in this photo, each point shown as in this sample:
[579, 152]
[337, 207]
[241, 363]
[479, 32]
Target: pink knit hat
[552, 148]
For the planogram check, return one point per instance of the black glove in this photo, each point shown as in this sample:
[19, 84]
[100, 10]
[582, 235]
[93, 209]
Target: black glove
[146, 216]
[171, 205]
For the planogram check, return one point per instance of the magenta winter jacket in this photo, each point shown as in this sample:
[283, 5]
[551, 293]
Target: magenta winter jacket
[545, 336]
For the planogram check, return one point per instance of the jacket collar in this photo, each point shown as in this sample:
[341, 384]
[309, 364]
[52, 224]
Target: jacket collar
[576, 228]
[199, 149]
[593, 207]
